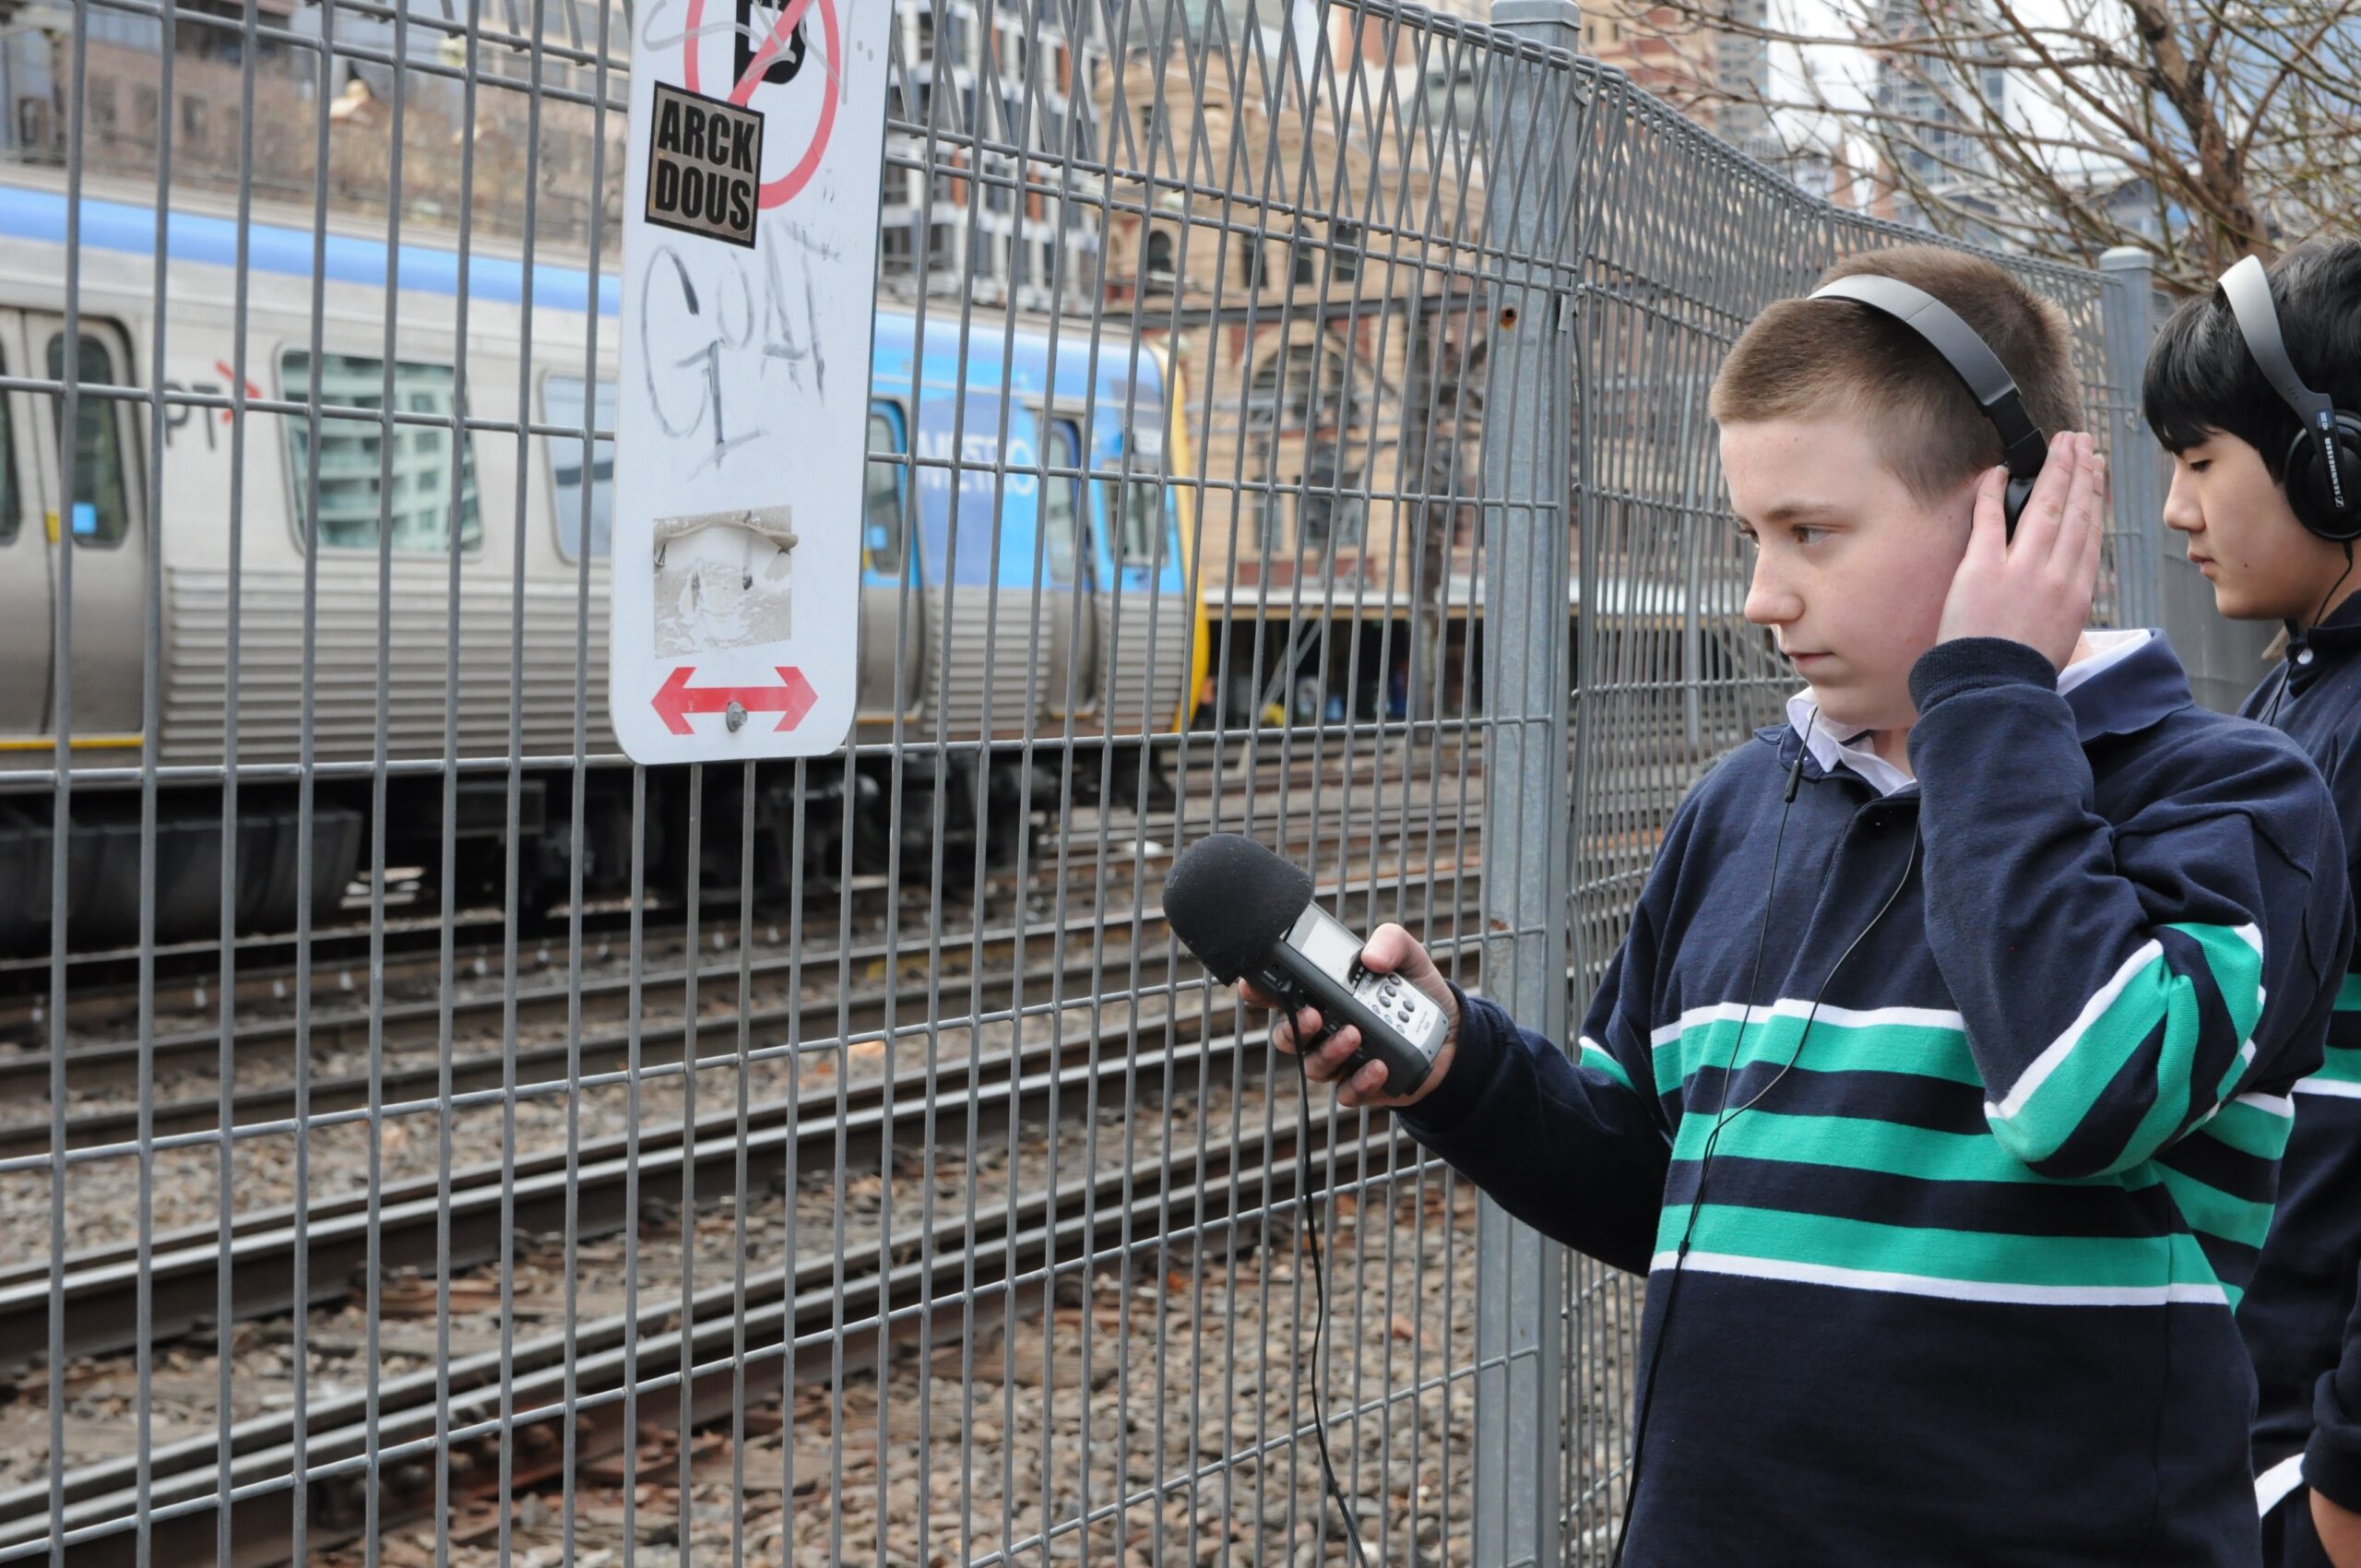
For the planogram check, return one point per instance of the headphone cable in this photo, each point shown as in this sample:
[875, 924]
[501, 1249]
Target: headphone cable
[1320, 1296]
[2287, 668]
[1672, 1289]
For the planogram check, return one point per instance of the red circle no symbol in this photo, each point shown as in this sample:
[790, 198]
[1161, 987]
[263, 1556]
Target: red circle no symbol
[779, 191]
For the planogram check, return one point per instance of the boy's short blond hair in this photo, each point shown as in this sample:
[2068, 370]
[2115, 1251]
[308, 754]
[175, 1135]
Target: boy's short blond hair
[1806, 358]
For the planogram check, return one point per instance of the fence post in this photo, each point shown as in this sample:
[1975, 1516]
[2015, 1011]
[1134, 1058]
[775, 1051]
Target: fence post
[1528, 425]
[2127, 317]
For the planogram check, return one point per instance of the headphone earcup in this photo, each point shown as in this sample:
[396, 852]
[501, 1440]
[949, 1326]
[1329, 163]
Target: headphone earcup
[2308, 496]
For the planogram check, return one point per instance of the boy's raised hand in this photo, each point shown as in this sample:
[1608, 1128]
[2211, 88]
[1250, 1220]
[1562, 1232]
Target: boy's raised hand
[2037, 588]
[1390, 951]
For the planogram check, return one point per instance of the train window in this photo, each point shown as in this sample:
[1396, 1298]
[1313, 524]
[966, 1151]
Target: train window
[577, 471]
[1061, 500]
[1139, 520]
[362, 485]
[881, 494]
[102, 511]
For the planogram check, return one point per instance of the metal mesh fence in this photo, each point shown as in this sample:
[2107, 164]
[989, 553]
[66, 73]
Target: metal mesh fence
[430, 1138]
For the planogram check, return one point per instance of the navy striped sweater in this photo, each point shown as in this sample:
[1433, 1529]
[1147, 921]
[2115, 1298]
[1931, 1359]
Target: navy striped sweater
[1961, 1289]
[2295, 1313]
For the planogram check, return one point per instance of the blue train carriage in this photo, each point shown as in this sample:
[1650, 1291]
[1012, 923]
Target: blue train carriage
[1113, 624]
[1076, 620]
[174, 497]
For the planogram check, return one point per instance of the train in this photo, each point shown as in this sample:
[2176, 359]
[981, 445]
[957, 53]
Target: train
[291, 457]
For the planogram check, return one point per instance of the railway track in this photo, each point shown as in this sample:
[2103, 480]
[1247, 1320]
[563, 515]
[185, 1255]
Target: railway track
[553, 1403]
[561, 1399]
[395, 1024]
[1084, 870]
[339, 953]
[521, 1068]
[100, 1289]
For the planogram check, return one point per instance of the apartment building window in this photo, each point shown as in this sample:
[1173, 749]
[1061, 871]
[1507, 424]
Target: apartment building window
[1161, 270]
[1304, 420]
[131, 31]
[1345, 251]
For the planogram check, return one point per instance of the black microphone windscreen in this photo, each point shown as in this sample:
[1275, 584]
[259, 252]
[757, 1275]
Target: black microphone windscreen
[1230, 900]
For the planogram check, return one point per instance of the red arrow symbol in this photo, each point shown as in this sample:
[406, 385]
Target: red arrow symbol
[790, 700]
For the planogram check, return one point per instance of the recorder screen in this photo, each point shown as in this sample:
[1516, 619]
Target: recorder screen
[1333, 946]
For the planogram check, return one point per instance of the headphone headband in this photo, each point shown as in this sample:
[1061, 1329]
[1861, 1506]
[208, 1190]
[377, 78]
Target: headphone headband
[2248, 288]
[1969, 356]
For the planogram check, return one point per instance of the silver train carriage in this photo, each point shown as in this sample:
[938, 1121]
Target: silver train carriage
[297, 487]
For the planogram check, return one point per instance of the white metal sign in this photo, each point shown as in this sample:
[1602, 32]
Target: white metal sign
[750, 236]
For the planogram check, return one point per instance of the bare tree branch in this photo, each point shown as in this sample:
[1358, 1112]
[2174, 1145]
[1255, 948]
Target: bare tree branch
[2196, 130]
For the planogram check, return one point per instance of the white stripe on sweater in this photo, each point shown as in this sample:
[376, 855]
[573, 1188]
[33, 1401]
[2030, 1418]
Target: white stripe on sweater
[1948, 1289]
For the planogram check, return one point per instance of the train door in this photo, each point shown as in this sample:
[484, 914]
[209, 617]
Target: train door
[26, 633]
[103, 526]
[1069, 575]
[889, 591]
[1144, 628]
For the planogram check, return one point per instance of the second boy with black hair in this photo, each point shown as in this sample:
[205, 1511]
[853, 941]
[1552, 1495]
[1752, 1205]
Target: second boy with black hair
[2233, 437]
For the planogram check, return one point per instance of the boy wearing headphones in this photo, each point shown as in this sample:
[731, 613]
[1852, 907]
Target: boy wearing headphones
[1939, 1088]
[2256, 391]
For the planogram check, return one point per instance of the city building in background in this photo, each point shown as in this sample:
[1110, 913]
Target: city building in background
[998, 229]
[1662, 51]
[458, 149]
[1325, 362]
[987, 117]
[1742, 72]
[1936, 161]
[1333, 370]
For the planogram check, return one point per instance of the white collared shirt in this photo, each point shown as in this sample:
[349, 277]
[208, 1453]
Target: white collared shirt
[2107, 650]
